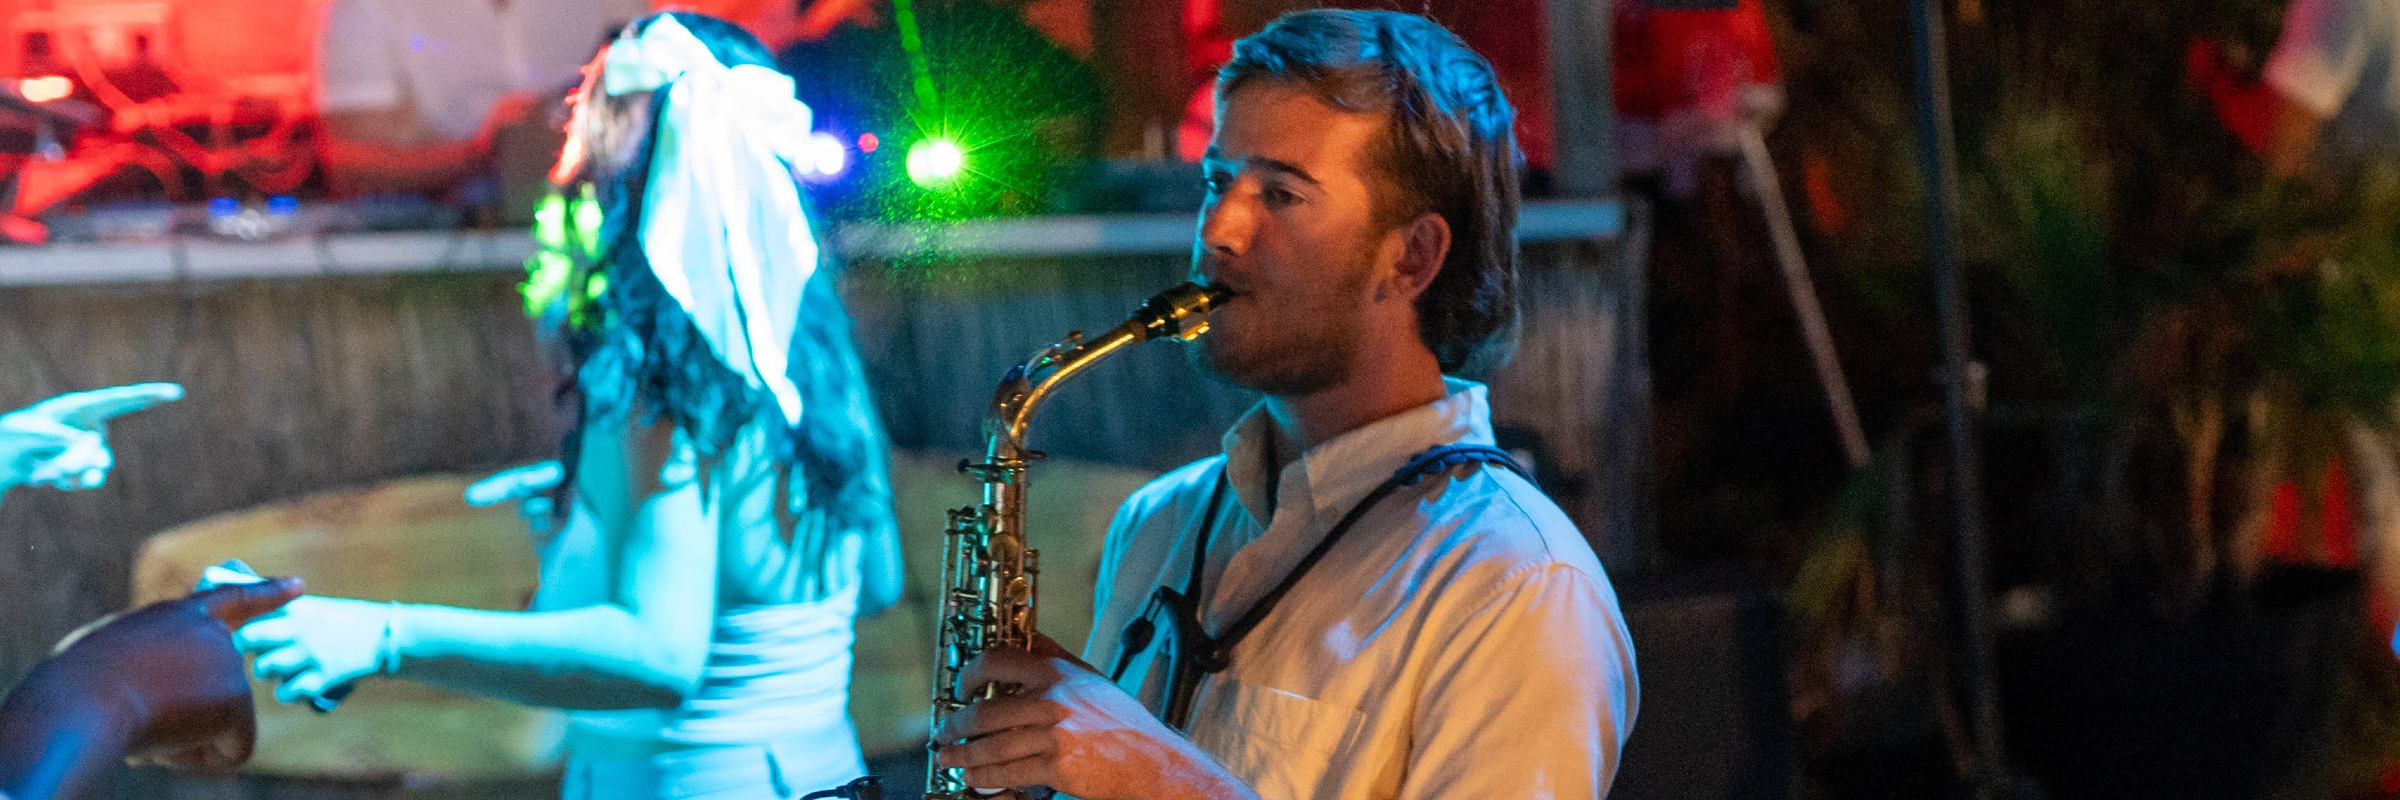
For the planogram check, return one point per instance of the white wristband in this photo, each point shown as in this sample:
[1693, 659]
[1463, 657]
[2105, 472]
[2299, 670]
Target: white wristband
[388, 661]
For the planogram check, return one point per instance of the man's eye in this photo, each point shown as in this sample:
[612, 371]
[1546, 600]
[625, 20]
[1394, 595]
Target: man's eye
[1279, 196]
[1216, 182]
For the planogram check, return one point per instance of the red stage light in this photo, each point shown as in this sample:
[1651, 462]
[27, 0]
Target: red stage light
[45, 88]
[867, 142]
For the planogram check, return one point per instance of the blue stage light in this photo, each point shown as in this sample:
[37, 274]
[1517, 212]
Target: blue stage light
[822, 157]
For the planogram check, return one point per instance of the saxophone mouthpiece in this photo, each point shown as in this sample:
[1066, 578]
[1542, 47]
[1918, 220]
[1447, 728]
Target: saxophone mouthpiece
[1182, 312]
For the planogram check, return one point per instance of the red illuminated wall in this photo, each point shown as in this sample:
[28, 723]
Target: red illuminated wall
[250, 36]
[218, 38]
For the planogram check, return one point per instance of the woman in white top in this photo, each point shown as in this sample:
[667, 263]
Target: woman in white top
[727, 512]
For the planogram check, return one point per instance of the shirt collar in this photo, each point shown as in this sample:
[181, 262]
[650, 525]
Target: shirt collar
[1341, 471]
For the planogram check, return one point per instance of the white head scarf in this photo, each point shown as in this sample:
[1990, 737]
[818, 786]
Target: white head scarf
[722, 223]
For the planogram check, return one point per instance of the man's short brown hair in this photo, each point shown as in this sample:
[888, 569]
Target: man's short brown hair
[1451, 150]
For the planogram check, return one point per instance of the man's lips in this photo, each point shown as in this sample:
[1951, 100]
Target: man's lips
[1230, 289]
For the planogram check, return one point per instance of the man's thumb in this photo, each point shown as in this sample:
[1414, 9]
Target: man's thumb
[239, 603]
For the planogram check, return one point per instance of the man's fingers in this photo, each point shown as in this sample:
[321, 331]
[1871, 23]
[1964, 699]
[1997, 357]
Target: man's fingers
[1000, 748]
[1041, 770]
[1007, 665]
[88, 410]
[238, 604]
[282, 663]
[1047, 647]
[999, 714]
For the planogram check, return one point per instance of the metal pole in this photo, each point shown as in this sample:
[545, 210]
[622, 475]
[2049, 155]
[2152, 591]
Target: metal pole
[1803, 294]
[1939, 157]
[1620, 506]
[1582, 99]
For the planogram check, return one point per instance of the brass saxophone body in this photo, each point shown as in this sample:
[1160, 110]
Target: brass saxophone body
[987, 589]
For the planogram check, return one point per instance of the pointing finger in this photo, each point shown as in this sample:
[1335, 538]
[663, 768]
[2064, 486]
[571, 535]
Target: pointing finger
[89, 409]
[238, 604]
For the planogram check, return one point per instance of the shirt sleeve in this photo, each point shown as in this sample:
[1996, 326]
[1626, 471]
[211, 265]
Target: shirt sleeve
[1530, 694]
[2323, 51]
[355, 67]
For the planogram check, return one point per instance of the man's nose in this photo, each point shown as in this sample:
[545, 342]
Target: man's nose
[1226, 227]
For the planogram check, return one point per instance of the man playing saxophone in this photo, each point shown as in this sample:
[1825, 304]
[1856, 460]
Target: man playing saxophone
[1360, 598]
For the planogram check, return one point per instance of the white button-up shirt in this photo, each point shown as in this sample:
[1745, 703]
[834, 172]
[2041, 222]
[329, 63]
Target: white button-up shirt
[1460, 641]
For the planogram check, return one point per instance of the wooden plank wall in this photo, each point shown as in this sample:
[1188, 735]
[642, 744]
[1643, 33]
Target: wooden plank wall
[305, 385]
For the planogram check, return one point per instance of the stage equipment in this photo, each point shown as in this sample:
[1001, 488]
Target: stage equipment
[987, 588]
[1985, 766]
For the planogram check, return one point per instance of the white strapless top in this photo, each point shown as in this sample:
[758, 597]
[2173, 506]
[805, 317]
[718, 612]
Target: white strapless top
[776, 673]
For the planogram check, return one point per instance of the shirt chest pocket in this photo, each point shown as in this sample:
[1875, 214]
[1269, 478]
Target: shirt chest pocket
[1287, 746]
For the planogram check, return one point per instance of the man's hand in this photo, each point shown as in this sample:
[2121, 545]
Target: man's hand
[1068, 728]
[62, 442]
[232, 607]
[160, 684]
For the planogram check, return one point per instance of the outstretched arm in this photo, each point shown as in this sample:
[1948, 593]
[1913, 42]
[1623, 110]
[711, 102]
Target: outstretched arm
[645, 645]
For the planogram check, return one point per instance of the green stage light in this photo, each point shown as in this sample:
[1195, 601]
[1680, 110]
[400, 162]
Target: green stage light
[934, 162]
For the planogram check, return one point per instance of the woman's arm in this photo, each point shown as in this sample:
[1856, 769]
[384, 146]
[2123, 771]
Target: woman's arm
[644, 646]
[882, 568]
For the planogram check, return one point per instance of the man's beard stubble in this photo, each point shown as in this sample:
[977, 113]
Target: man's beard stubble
[1292, 363]
[1301, 351]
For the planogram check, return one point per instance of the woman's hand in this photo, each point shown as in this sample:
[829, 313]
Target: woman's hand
[62, 442]
[316, 644]
[530, 486]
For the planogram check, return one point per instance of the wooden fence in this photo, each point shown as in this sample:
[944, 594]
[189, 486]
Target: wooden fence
[303, 385]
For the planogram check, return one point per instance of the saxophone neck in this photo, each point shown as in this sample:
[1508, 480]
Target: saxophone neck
[1180, 313]
[1028, 385]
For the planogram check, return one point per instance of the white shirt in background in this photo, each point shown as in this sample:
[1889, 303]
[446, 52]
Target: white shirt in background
[451, 60]
[2336, 58]
[1461, 640]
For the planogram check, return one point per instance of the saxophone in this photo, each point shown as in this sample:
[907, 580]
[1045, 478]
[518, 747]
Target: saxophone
[987, 590]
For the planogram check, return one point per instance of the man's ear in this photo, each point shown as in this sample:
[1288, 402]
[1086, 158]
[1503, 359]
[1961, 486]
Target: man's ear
[1424, 245]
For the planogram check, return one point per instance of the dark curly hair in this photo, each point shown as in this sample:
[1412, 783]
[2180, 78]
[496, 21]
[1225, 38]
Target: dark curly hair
[1451, 149]
[635, 353]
